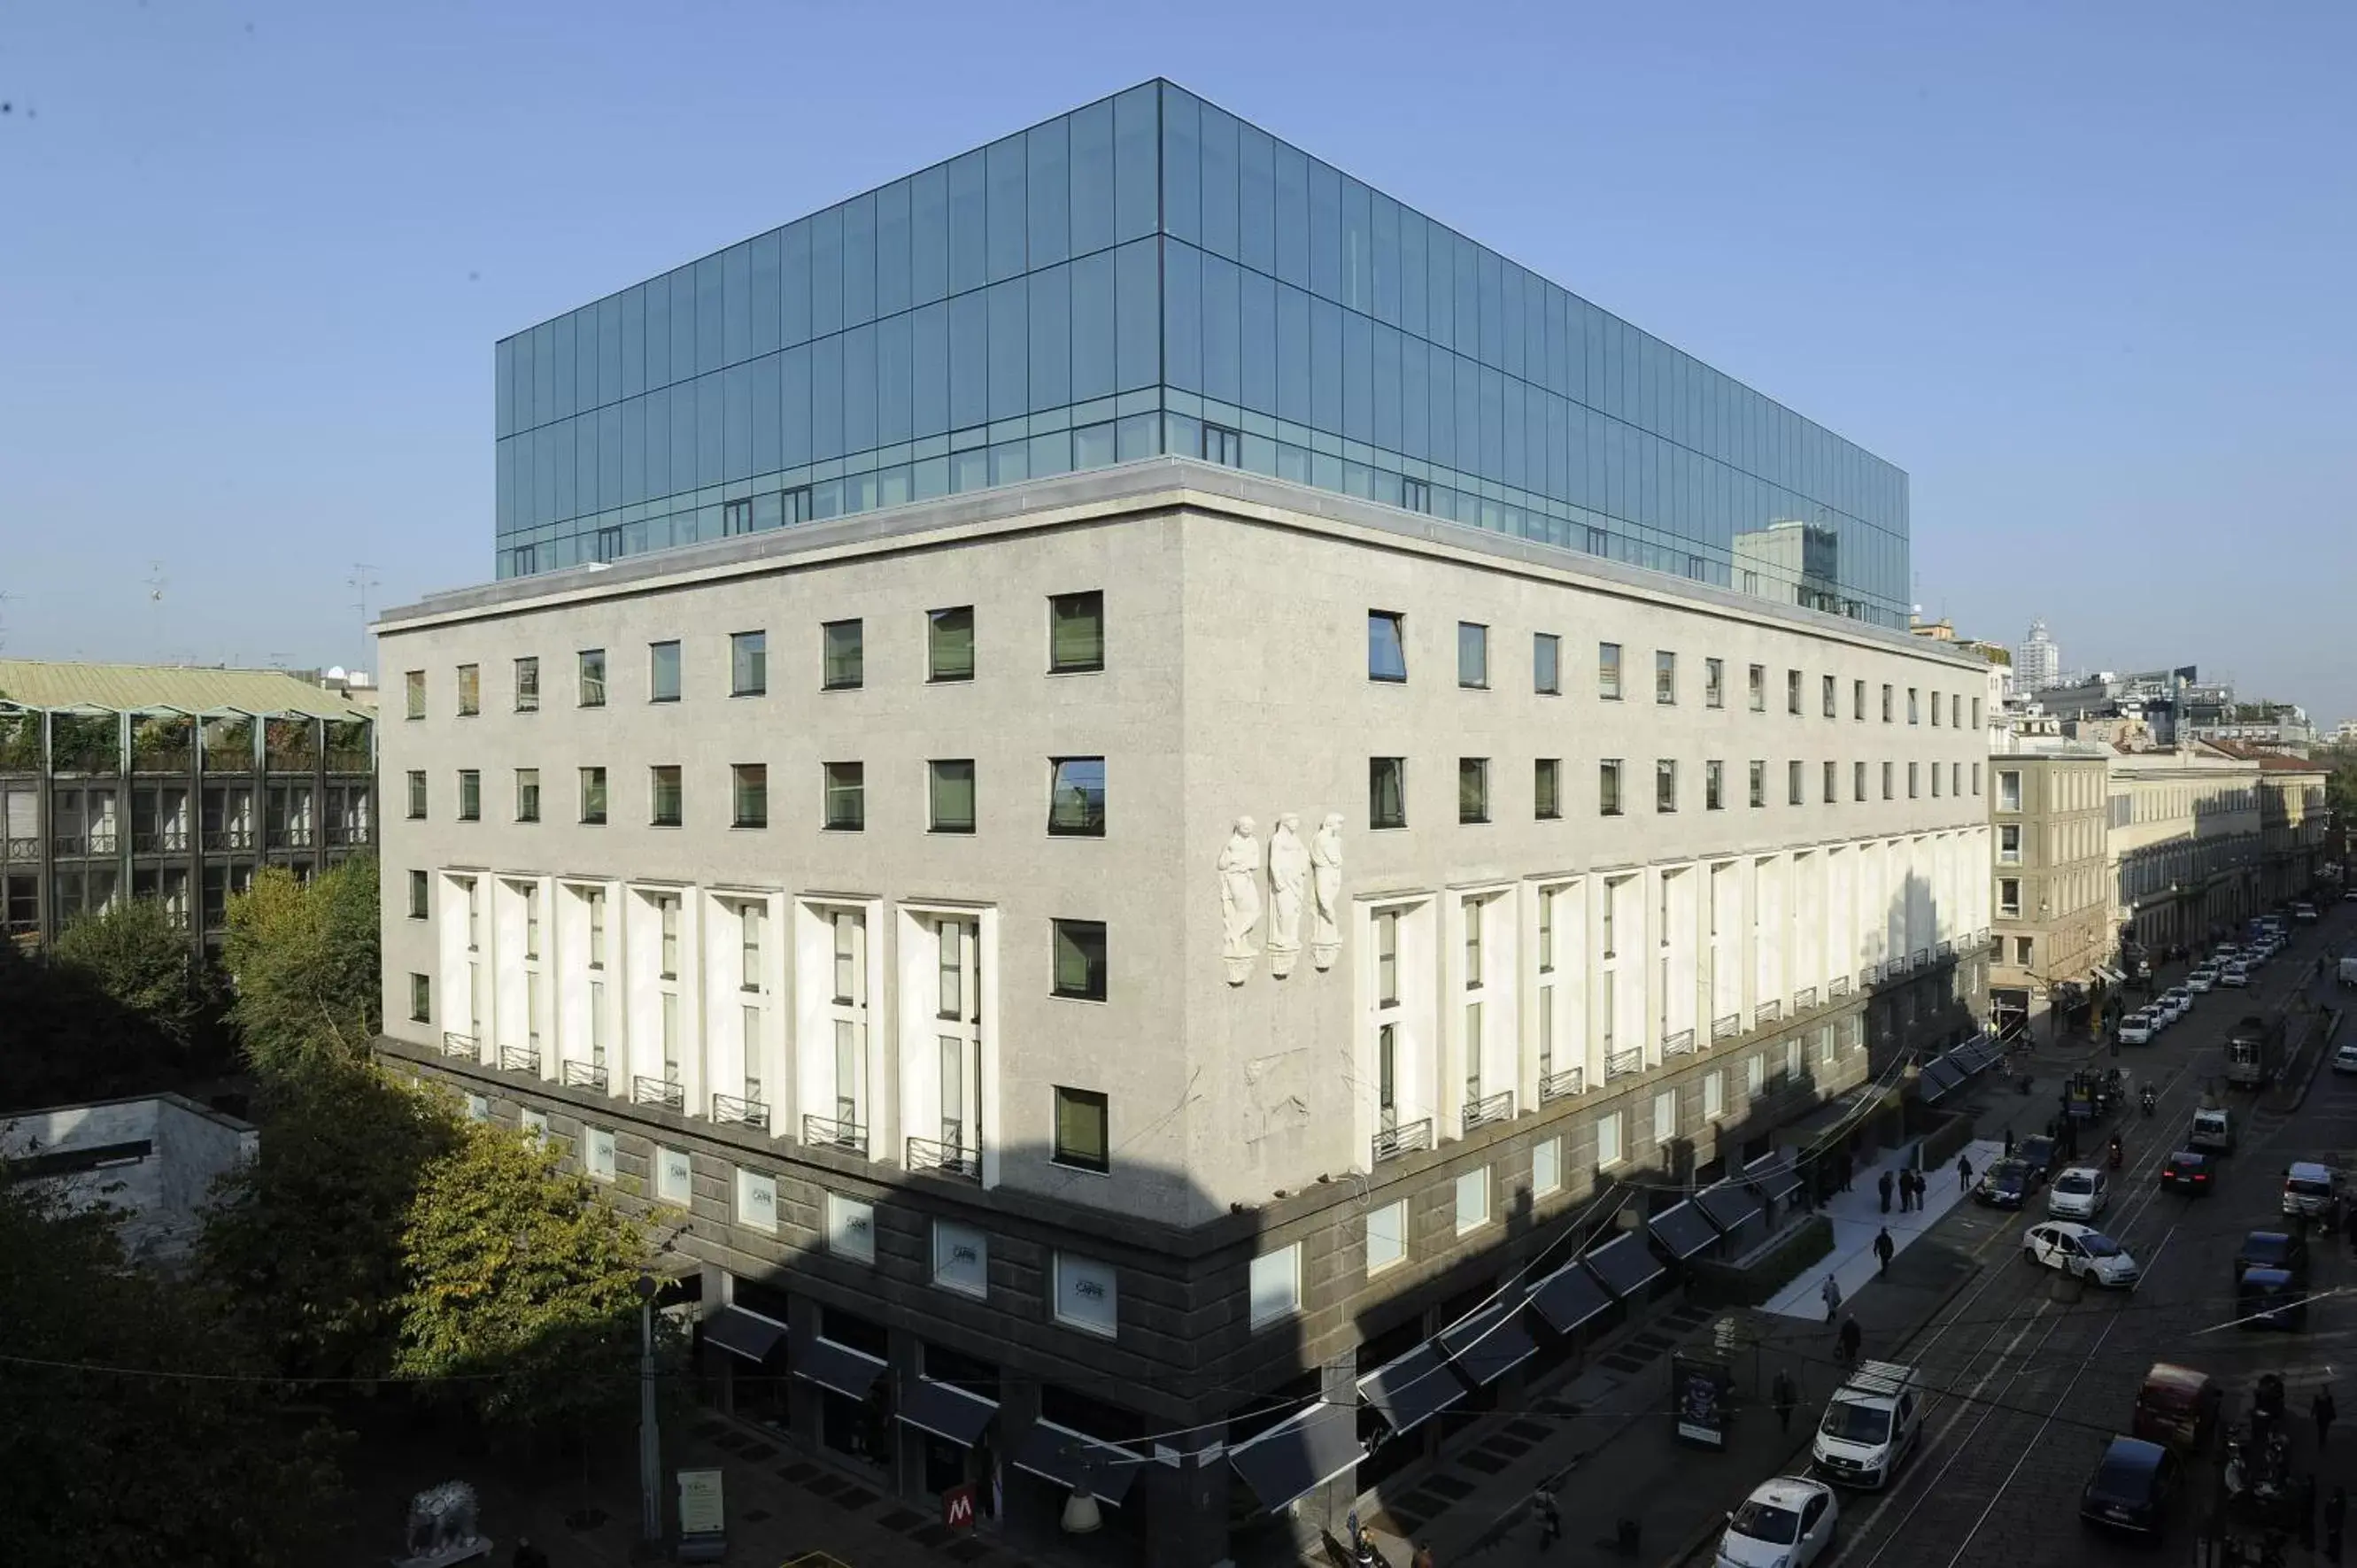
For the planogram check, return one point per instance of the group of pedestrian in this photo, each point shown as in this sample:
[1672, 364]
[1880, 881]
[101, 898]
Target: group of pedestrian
[1908, 1184]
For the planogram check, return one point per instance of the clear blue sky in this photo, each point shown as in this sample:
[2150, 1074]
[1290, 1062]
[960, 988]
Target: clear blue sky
[2084, 271]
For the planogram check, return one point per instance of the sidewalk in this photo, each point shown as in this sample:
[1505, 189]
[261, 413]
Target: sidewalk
[1858, 1218]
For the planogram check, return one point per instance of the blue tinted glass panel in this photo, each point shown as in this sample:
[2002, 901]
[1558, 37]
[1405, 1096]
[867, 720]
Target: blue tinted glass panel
[658, 443]
[892, 248]
[503, 484]
[736, 303]
[634, 342]
[1292, 216]
[1092, 158]
[1292, 355]
[1256, 199]
[1357, 242]
[1182, 165]
[737, 424]
[1326, 364]
[1489, 305]
[768, 453]
[969, 360]
[1256, 331]
[826, 398]
[1358, 377]
[859, 388]
[1416, 397]
[794, 284]
[1138, 155]
[711, 429]
[1092, 326]
[561, 338]
[1325, 231]
[859, 259]
[634, 451]
[761, 305]
[928, 352]
[895, 391]
[794, 407]
[1049, 187]
[682, 324]
[826, 272]
[1413, 271]
[1010, 349]
[503, 381]
[1182, 326]
[584, 465]
[1219, 182]
[1137, 307]
[969, 210]
[544, 466]
[1223, 324]
[585, 359]
[1386, 391]
[1009, 216]
[1051, 314]
[1384, 258]
[929, 235]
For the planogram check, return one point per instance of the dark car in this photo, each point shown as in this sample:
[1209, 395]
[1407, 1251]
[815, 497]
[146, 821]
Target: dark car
[2269, 1298]
[2190, 1172]
[2038, 1154]
[2130, 1487]
[2283, 1250]
[2005, 1184]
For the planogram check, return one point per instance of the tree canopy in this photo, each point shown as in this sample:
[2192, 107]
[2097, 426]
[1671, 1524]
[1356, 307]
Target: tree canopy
[132, 954]
[305, 963]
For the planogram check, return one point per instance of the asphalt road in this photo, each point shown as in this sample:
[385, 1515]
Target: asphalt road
[2034, 1377]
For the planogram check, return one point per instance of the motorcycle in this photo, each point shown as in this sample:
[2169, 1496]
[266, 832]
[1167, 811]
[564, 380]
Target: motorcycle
[2150, 1100]
[2115, 1153]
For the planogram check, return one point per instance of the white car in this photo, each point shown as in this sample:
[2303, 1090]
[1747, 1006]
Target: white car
[2304, 913]
[2135, 1029]
[1784, 1523]
[2201, 980]
[2234, 974]
[2079, 1193]
[2344, 1057]
[2078, 1250]
[2180, 997]
[2166, 1010]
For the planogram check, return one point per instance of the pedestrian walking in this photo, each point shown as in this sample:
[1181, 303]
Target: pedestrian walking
[1830, 1291]
[2324, 1410]
[1964, 1173]
[2008, 1142]
[1883, 1185]
[1851, 1334]
[1883, 1247]
[1550, 1519]
[1786, 1396]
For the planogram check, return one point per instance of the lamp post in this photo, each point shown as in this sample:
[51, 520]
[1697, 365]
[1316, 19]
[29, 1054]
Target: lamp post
[650, 1457]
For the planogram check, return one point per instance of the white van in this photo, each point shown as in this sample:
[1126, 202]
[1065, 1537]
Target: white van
[1871, 1425]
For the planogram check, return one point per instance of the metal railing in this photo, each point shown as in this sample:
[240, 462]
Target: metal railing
[1407, 1138]
[1804, 998]
[68, 843]
[1623, 1064]
[586, 1075]
[229, 838]
[1838, 988]
[1945, 950]
[290, 838]
[1919, 958]
[24, 849]
[170, 841]
[658, 1091]
[1768, 1012]
[729, 1109]
[1498, 1107]
[519, 1059]
[454, 1044]
[827, 1132]
[1562, 1085]
[1680, 1044]
[1725, 1026]
[948, 1159]
[1869, 974]
[19, 928]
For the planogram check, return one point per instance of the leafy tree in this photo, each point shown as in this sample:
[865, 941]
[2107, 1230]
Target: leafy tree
[521, 1283]
[304, 962]
[64, 1040]
[131, 954]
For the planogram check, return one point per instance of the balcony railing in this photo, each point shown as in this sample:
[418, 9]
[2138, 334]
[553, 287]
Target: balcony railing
[1870, 974]
[68, 843]
[1623, 1064]
[827, 1132]
[519, 1059]
[948, 1159]
[342, 835]
[229, 838]
[1919, 958]
[660, 1091]
[1945, 950]
[586, 1075]
[290, 838]
[1680, 1044]
[454, 1044]
[1725, 1026]
[1498, 1107]
[19, 928]
[170, 841]
[24, 849]
[730, 1111]
[1838, 988]
[1804, 998]
[1562, 1085]
[1407, 1138]
[1768, 1012]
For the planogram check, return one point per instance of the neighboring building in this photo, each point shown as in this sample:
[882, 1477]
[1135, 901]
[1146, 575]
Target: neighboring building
[2184, 843]
[2345, 732]
[879, 892]
[2293, 820]
[154, 1159]
[1150, 276]
[140, 781]
[2051, 915]
[2282, 728]
[2038, 662]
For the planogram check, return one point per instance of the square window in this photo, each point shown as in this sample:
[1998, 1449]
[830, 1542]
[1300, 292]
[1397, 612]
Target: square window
[1472, 654]
[1665, 678]
[673, 1180]
[589, 670]
[421, 999]
[757, 1201]
[842, 655]
[1547, 1167]
[1714, 682]
[750, 789]
[1607, 786]
[1275, 1286]
[471, 689]
[1081, 1130]
[748, 663]
[413, 690]
[1088, 1296]
[1547, 788]
[593, 795]
[470, 795]
[1546, 663]
[950, 786]
[1472, 1201]
[1665, 784]
[1076, 797]
[1758, 678]
[664, 805]
[1792, 690]
[1386, 1236]
[597, 1153]
[417, 794]
[663, 672]
[1608, 671]
[949, 644]
[420, 894]
[1079, 959]
[1609, 1150]
[961, 1258]
[1386, 646]
[527, 794]
[527, 685]
[1714, 786]
[1075, 632]
[1758, 783]
[846, 796]
[1387, 791]
[850, 1228]
[1472, 789]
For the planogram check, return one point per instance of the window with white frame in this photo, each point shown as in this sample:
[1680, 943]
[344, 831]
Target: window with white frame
[850, 1228]
[1608, 1139]
[597, 1153]
[757, 1201]
[478, 1109]
[1386, 1236]
[1389, 1018]
[957, 1013]
[2008, 844]
[674, 1182]
[1088, 1296]
[1755, 1074]
[533, 1123]
[846, 1013]
[1665, 1115]
[1714, 1095]
[961, 1258]
[1472, 1201]
[1546, 1165]
[1275, 1286]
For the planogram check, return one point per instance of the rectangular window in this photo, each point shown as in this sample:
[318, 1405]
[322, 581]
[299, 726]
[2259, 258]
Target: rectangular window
[1472, 655]
[1472, 1201]
[2025, 950]
[1886, 781]
[589, 671]
[1222, 446]
[593, 795]
[413, 689]
[1472, 789]
[846, 796]
[1665, 678]
[962, 1263]
[1714, 786]
[1546, 663]
[1608, 671]
[750, 784]
[667, 959]
[663, 672]
[748, 663]
[1912, 717]
[1976, 713]
[843, 655]
[470, 795]
[1886, 702]
[664, 804]
[1955, 778]
[757, 1201]
[1387, 791]
[1387, 959]
[1076, 797]
[1759, 677]
[1665, 784]
[1936, 708]
[1857, 701]
[1832, 782]
[1075, 633]
[420, 894]
[1793, 784]
[417, 794]
[1081, 1133]
[1386, 646]
[1935, 781]
[2008, 896]
[1079, 959]
[950, 790]
[1914, 780]
[527, 786]
[1607, 786]
[527, 685]
[2008, 790]
[850, 1233]
[1665, 1115]
[949, 644]
[1858, 780]
[1758, 783]
[471, 689]
[421, 999]
[1386, 1236]
[1087, 1295]
[1976, 778]
[2008, 844]
[1831, 698]
[1608, 1139]
[1792, 690]
[1714, 682]
[1547, 788]
[674, 1177]
[1547, 1167]
[1714, 1096]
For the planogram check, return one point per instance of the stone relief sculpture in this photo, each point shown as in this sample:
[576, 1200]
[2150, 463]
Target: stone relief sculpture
[1240, 900]
[1288, 879]
[1326, 886]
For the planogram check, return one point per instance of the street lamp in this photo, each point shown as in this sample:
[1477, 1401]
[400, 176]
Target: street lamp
[1082, 1515]
[650, 1458]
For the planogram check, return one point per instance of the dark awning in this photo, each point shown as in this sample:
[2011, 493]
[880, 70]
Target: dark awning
[743, 1333]
[1069, 1459]
[1300, 1454]
[1938, 1078]
[1682, 1229]
[945, 1412]
[1412, 1390]
[1974, 1054]
[837, 1367]
[1728, 1206]
[1570, 1297]
[1624, 1265]
[1773, 1173]
[1491, 1343]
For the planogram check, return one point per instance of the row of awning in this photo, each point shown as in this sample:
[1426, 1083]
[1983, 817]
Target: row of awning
[1949, 1070]
[2109, 975]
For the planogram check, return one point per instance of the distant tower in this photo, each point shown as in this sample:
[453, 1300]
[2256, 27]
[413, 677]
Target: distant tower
[2038, 662]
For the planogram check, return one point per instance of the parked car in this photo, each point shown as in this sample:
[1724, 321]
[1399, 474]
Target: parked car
[2137, 1028]
[2180, 998]
[2038, 1154]
[2201, 979]
[2304, 912]
[2344, 1056]
[1784, 1523]
[2079, 1193]
[1869, 1425]
[2309, 1189]
[2270, 1298]
[2080, 1250]
[2283, 1250]
[2006, 1184]
[2131, 1486]
[2178, 1407]
[2235, 975]
[2190, 1172]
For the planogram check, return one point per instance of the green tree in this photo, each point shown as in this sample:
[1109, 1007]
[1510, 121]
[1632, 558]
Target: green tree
[63, 1040]
[304, 962]
[521, 1283]
[132, 953]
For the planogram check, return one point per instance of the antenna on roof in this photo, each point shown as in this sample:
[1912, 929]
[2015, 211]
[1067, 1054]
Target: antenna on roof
[363, 578]
[156, 584]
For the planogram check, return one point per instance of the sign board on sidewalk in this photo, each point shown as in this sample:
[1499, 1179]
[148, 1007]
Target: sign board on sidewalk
[1698, 1398]
[957, 1506]
[703, 1517]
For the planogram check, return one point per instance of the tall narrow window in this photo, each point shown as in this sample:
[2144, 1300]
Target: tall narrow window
[952, 1092]
[1758, 688]
[1387, 1076]
[1608, 671]
[1886, 702]
[1546, 663]
[843, 655]
[949, 645]
[1546, 931]
[471, 689]
[1386, 646]
[1758, 783]
[589, 671]
[416, 794]
[1472, 789]
[663, 672]
[1912, 706]
[593, 795]
[1857, 701]
[596, 898]
[846, 1073]
[749, 787]
[1473, 944]
[750, 920]
[1831, 698]
[667, 915]
[1387, 958]
[1547, 788]
[1666, 677]
[1607, 786]
[670, 1008]
[530, 921]
[1079, 948]
[1472, 654]
[748, 663]
[1792, 690]
[1075, 633]
[952, 784]
[1832, 783]
[413, 692]
[1714, 786]
[950, 969]
[665, 806]
[470, 795]
[1858, 780]
[846, 926]
[527, 685]
[1665, 784]
[1387, 791]
[527, 794]
[1714, 682]
[1793, 784]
